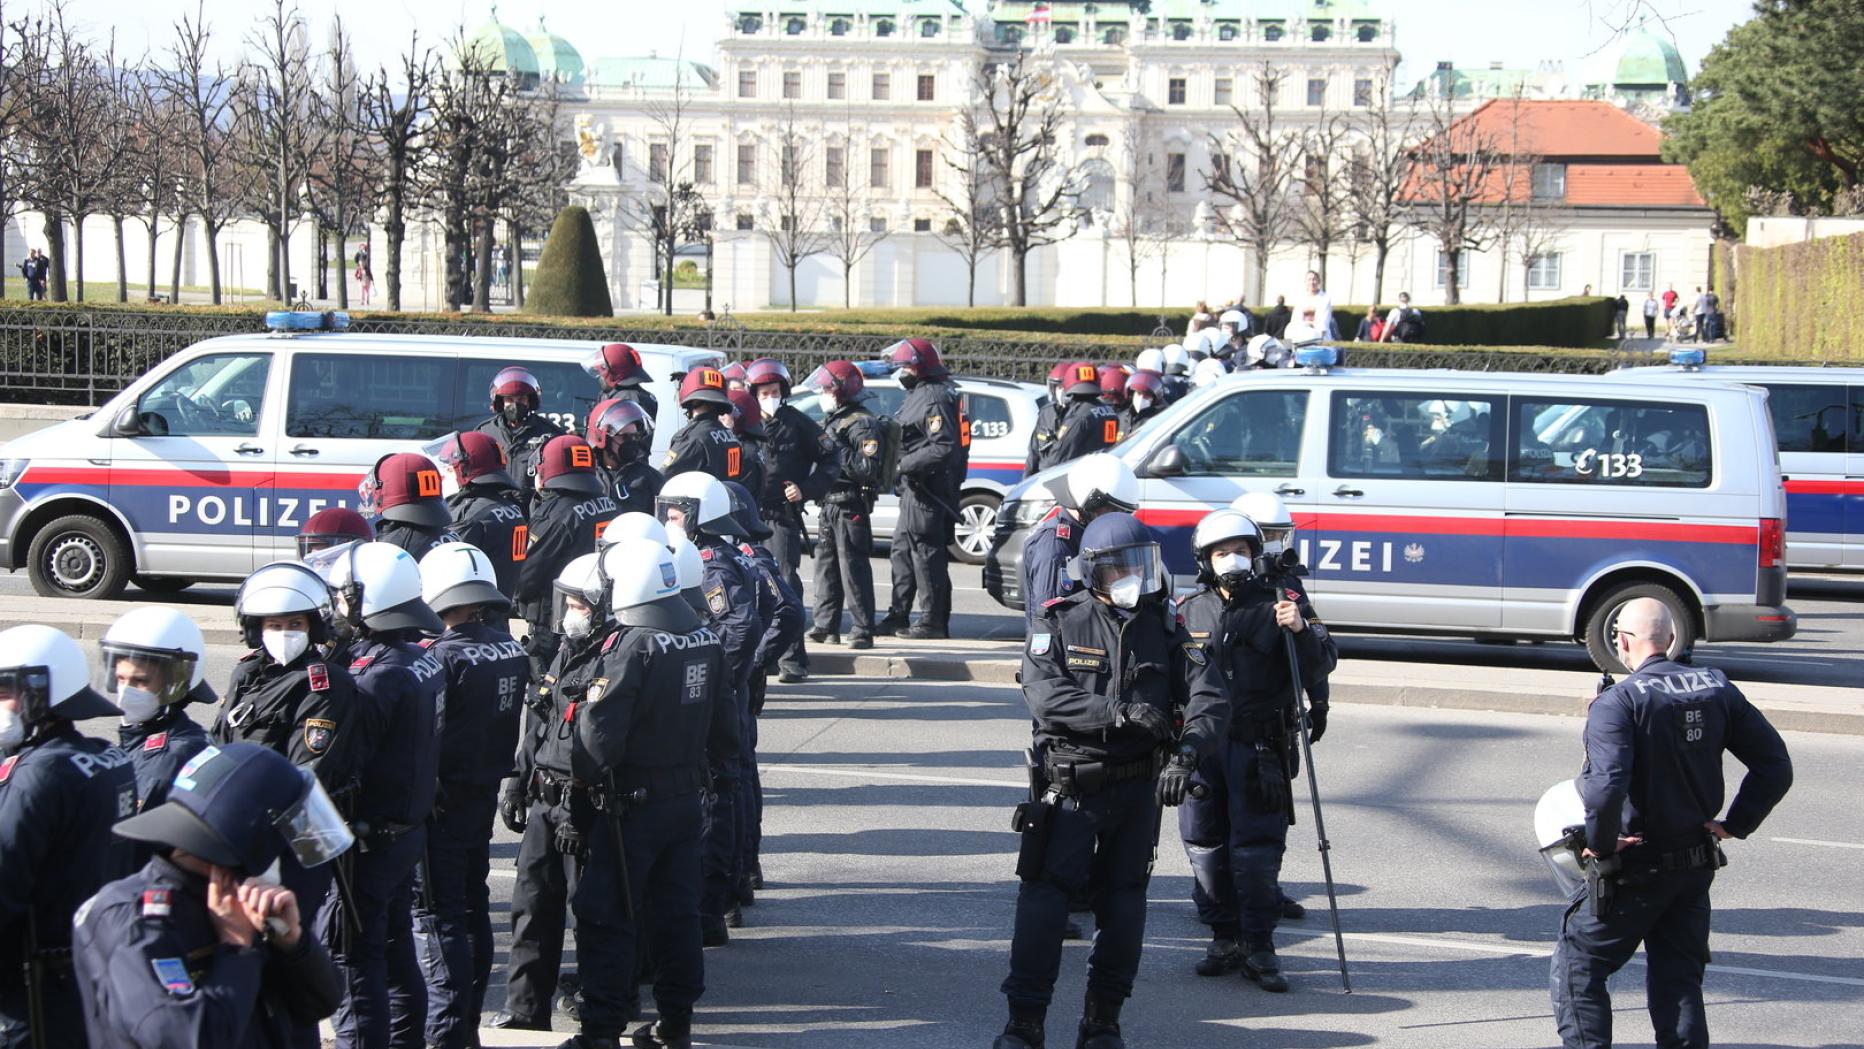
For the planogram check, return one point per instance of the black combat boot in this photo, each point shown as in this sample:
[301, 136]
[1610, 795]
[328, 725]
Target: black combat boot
[1261, 966]
[1291, 910]
[1025, 1030]
[891, 624]
[712, 930]
[590, 1041]
[670, 1032]
[504, 1021]
[925, 632]
[1100, 1023]
[1222, 956]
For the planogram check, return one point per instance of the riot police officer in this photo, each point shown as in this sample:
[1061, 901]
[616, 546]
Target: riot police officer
[705, 443]
[60, 792]
[569, 515]
[201, 947]
[370, 929]
[801, 464]
[154, 658]
[487, 678]
[1113, 394]
[1236, 833]
[403, 491]
[1145, 398]
[1048, 419]
[622, 434]
[1094, 484]
[333, 526]
[700, 506]
[617, 366]
[1651, 839]
[844, 570]
[520, 429]
[935, 452]
[1102, 675]
[486, 511]
[1089, 423]
[746, 422]
[1177, 373]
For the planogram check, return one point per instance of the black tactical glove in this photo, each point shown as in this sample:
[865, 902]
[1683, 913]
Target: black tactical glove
[569, 839]
[1267, 791]
[1175, 780]
[511, 806]
[1316, 722]
[1143, 717]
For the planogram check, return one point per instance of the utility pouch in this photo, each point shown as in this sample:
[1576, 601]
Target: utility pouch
[1602, 884]
[1032, 821]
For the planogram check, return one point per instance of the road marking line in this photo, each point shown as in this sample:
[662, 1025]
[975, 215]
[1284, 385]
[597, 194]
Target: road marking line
[907, 776]
[1536, 951]
[1815, 841]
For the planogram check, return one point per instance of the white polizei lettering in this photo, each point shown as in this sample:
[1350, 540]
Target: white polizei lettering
[311, 508]
[1362, 557]
[1303, 547]
[287, 512]
[213, 510]
[239, 512]
[1385, 561]
[265, 513]
[1330, 555]
[178, 507]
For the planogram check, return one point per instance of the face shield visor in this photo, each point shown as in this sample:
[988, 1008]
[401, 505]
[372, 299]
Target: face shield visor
[336, 567]
[452, 459]
[1125, 574]
[684, 514]
[313, 829]
[571, 613]
[1276, 538]
[167, 674]
[31, 688]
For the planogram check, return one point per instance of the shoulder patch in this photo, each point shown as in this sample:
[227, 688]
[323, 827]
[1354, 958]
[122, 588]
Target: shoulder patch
[748, 552]
[361, 663]
[6, 767]
[320, 677]
[596, 688]
[1195, 653]
[870, 448]
[610, 643]
[705, 553]
[172, 974]
[1291, 594]
[1039, 643]
[1053, 601]
[671, 456]
[158, 741]
[318, 732]
[155, 903]
[1063, 530]
[935, 423]
[716, 601]
[426, 642]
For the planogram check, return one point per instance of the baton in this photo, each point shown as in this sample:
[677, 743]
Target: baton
[1313, 794]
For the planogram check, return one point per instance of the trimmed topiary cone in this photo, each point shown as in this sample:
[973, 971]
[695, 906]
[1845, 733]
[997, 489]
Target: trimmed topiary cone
[570, 280]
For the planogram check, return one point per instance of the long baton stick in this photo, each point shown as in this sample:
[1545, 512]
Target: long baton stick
[1313, 794]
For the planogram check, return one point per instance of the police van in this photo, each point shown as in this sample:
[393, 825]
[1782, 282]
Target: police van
[1818, 420]
[1476, 504]
[206, 467]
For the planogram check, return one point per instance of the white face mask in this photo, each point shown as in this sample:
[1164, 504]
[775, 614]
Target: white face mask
[1141, 402]
[285, 645]
[770, 404]
[12, 729]
[1125, 593]
[139, 705]
[828, 403]
[1228, 564]
[576, 623]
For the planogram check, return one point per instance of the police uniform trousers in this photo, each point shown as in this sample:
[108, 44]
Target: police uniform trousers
[1669, 916]
[722, 826]
[921, 563]
[663, 842]
[314, 887]
[385, 996]
[1102, 841]
[752, 794]
[786, 548]
[64, 1005]
[844, 569]
[452, 913]
[587, 883]
[1235, 849]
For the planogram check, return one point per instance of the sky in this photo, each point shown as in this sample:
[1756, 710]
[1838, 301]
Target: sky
[1467, 32]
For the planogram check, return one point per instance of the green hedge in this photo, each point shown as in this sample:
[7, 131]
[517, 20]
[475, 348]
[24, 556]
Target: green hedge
[1803, 301]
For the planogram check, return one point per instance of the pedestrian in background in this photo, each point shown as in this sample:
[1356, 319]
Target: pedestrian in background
[1650, 316]
[365, 276]
[1621, 308]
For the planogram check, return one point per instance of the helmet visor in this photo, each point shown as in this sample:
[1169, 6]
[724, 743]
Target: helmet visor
[369, 495]
[1276, 538]
[31, 687]
[595, 364]
[313, 829]
[168, 673]
[1141, 561]
[1563, 860]
[326, 562]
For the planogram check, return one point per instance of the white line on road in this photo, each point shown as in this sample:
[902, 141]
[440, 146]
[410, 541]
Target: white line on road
[1815, 841]
[1540, 951]
[907, 776]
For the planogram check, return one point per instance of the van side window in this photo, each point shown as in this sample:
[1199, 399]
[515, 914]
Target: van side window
[1252, 434]
[1808, 418]
[1857, 418]
[370, 396]
[1417, 436]
[569, 392]
[218, 395]
[1611, 442]
[989, 416]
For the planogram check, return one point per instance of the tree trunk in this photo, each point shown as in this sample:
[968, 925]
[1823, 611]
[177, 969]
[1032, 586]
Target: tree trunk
[1527, 292]
[1132, 278]
[667, 293]
[174, 268]
[1452, 272]
[1378, 271]
[1020, 257]
[343, 270]
[274, 288]
[394, 231]
[514, 235]
[1501, 293]
[970, 287]
[1262, 277]
[56, 288]
[77, 253]
[323, 262]
[482, 269]
[212, 236]
[847, 285]
[793, 286]
[1320, 262]
[122, 260]
[153, 237]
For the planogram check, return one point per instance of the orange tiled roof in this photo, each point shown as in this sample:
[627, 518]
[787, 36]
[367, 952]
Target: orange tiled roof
[1559, 129]
[1632, 185]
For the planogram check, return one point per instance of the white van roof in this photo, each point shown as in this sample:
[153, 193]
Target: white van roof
[1744, 373]
[488, 344]
[1430, 379]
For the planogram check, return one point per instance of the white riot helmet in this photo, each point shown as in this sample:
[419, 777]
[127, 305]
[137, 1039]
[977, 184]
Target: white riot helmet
[702, 500]
[165, 648]
[1560, 833]
[1152, 360]
[456, 574]
[644, 586]
[45, 671]
[690, 567]
[1178, 358]
[1096, 483]
[1300, 333]
[379, 585]
[632, 525]
[284, 588]
[1270, 514]
[1208, 371]
[1233, 321]
[581, 579]
[1220, 526]
[1265, 348]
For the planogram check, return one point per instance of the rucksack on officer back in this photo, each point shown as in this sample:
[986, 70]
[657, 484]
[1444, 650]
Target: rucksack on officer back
[889, 429]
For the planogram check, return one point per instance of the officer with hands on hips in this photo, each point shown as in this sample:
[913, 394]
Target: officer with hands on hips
[202, 948]
[487, 510]
[60, 792]
[1236, 833]
[1094, 484]
[1102, 675]
[1652, 793]
[844, 571]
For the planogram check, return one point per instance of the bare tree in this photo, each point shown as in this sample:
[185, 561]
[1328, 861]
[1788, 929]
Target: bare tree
[1453, 180]
[971, 226]
[1138, 212]
[280, 135]
[158, 164]
[1017, 121]
[1542, 229]
[1512, 210]
[341, 179]
[520, 160]
[790, 214]
[212, 186]
[66, 99]
[853, 231]
[1323, 208]
[545, 160]
[395, 115]
[120, 141]
[1253, 169]
[1379, 177]
[12, 110]
[670, 207]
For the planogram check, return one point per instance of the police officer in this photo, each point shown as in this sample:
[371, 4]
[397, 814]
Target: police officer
[622, 434]
[662, 712]
[1113, 394]
[1048, 419]
[403, 490]
[935, 452]
[154, 656]
[1236, 833]
[201, 947]
[400, 688]
[700, 506]
[519, 428]
[333, 526]
[1089, 423]
[746, 422]
[1093, 485]
[1177, 373]
[569, 515]
[617, 366]
[705, 443]
[487, 679]
[844, 570]
[1103, 675]
[1145, 398]
[802, 463]
[60, 792]
[1233, 336]
[1651, 837]
[486, 511]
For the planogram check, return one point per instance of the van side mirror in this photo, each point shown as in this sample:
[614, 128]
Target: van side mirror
[1167, 461]
[133, 423]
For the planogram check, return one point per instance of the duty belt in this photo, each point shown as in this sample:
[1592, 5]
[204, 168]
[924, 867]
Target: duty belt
[1078, 779]
[552, 787]
[1267, 726]
[667, 782]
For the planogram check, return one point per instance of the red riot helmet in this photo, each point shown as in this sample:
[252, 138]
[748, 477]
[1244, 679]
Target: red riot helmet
[1082, 380]
[475, 457]
[405, 487]
[1058, 375]
[704, 385]
[840, 378]
[567, 464]
[918, 358]
[1149, 383]
[747, 419]
[621, 430]
[513, 382]
[333, 526]
[1113, 385]
[617, 366]
[734, 376]
[767, 370]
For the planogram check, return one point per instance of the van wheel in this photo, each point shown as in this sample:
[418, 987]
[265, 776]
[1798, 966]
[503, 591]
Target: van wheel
[78, 556]
[977, 520]
[1598, 637]
[161, 584]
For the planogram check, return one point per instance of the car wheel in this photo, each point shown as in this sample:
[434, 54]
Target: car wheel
[78, 556]
[1598, 637]
[977, 519]
[161, 584]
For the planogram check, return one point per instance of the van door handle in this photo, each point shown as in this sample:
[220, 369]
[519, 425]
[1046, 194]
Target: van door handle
[249, 449]
[304, 449]
[1288, 489]
[1347, 493]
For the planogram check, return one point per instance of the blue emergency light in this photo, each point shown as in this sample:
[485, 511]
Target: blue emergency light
[1316, 358]
[1688, 360]
[306, 320]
